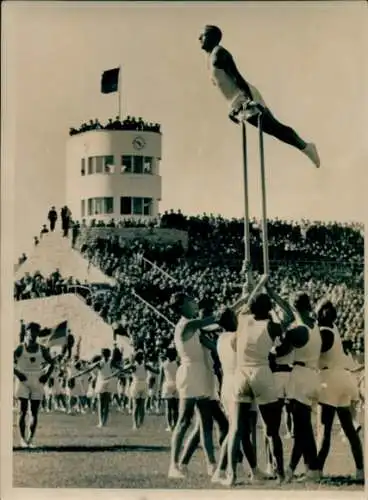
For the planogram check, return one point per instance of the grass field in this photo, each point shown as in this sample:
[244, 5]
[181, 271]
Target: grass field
[72, 453]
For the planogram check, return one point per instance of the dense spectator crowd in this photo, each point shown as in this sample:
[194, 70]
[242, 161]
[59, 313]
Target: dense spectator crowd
[325, 260]
[34, 286]
[129, 123]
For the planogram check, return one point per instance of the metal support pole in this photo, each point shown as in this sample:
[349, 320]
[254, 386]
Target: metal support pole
[247, 259]
[266, 264]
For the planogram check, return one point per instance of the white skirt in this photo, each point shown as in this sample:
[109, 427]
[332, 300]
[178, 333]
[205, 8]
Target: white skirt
[194, 381]
[338, 388]
[304, 385]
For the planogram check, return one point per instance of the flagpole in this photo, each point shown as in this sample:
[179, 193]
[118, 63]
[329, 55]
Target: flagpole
[119, 95]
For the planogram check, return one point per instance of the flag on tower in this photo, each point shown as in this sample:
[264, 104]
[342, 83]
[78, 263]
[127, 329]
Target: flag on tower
[110, 81]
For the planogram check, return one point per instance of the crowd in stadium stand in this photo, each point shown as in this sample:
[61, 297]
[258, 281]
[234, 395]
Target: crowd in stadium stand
[325, 260]
[129, 123]
[33, 286]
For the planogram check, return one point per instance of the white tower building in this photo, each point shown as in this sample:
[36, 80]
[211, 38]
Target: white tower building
[113, 174]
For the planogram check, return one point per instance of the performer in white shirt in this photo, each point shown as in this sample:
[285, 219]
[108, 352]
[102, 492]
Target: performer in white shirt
[243, 98]
[33, 366]
[338, 390]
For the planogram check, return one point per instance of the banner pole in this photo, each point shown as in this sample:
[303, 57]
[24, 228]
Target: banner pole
[119, 95]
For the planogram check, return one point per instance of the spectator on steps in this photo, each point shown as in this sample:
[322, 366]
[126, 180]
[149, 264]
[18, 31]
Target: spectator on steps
[52, 217]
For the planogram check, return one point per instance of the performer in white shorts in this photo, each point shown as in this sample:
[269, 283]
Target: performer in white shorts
[74, 389]
[254, 382]
[304, 339]
[32, 367]
[139, 388]
[152, 389]
[224, 345]
[338, 390]
[169, 368]
[206, 308]
[243, 98]
[193, 381]
[107, 370]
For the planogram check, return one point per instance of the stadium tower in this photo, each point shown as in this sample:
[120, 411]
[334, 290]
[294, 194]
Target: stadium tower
[113, 174]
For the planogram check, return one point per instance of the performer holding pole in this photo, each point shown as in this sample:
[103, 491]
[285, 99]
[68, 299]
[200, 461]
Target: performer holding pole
[244, 99]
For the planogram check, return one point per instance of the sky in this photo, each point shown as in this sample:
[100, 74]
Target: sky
[308, 59]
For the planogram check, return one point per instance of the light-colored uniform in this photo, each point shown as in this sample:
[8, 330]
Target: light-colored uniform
[105, 382]
[282, 378]
[193, 378]
[151, 384]
[338, 385]
[138, 387]
[170, 369]
[31, 365]
[228, 88]
[227, 356]
[254, 380]
[304, 382]
[73, 386]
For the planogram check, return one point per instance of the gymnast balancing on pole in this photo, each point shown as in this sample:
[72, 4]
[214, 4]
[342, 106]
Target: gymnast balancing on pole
[244, 98]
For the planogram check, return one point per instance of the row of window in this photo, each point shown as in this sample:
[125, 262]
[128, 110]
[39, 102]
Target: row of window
[106, 165]
[128, 206]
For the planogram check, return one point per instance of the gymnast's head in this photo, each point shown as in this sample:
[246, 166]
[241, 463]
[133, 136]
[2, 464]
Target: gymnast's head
[184, 305]
[210, 37]
[326, 313]
[261, 307]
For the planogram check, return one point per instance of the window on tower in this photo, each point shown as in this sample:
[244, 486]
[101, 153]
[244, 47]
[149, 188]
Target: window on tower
[136, 164]
[90, 166]
[109, 164]
[125, 205]
[99, 164]
[83, 166]
[83, 208]
[135, 206]
[99, 206]
[109, 205]
[90, 206]
[126, 164]
[147, 165]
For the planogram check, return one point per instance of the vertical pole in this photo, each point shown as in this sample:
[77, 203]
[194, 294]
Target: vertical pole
[119, 95]
[266, 265]
[247, 260]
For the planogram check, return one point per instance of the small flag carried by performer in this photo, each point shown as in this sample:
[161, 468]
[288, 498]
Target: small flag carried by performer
[54, 336]
[110, 81]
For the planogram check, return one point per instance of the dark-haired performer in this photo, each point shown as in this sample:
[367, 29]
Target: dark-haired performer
[304, 338]
[254, 382]
[338, 389]
[243, 98]
[32, 367]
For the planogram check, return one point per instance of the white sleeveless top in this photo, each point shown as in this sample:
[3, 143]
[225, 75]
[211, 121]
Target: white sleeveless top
[170, 368]
[30, 363]
[310, 353]
[190, 351]
[226, 85]
[140, 373]
[335, 357]
[105, 370]
[226, 353]
[253, 342]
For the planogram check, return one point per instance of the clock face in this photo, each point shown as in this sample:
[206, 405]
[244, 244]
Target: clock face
[139, 143]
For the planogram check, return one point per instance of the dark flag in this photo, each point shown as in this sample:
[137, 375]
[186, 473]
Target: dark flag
[54, 336]
[110, 81]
